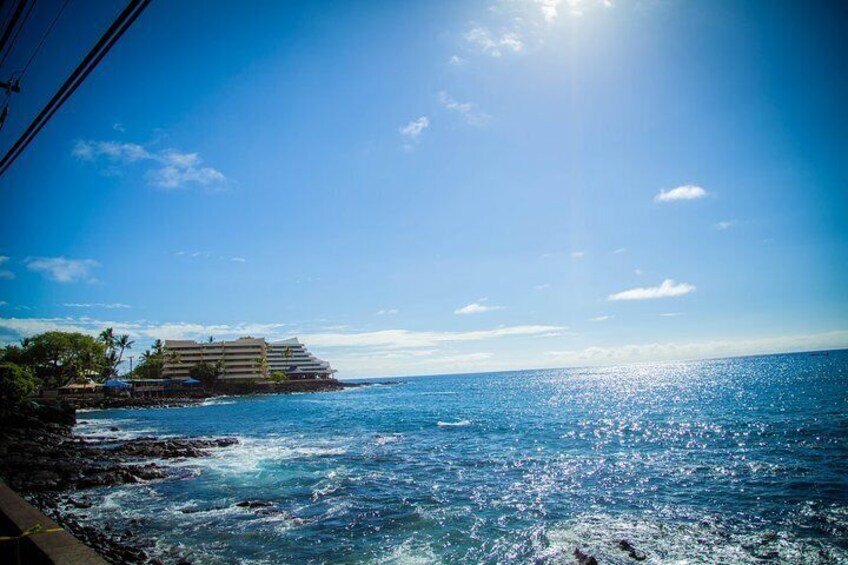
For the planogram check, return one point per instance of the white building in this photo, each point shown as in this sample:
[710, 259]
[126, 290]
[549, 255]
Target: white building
[245, 358]
[291, 357]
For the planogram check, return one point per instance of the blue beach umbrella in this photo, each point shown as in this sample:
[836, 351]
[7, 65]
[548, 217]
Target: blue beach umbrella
[190, 382]
[117, 384]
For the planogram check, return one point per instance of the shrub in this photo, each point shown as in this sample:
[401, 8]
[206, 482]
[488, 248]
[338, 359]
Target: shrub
[17, 385]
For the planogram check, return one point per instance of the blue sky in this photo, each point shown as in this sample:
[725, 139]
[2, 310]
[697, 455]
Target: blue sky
[432, 187]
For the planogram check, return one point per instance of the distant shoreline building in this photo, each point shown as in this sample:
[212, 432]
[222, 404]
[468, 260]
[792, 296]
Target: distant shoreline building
[244, 359]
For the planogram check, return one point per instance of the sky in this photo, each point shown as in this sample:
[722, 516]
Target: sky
[437, 187]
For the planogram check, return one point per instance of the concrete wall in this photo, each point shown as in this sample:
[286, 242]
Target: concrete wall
[59, 548]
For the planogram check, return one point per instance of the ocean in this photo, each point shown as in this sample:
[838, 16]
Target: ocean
[740, 460]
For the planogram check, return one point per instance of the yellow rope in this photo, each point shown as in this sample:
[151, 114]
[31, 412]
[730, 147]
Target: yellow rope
[35, 530]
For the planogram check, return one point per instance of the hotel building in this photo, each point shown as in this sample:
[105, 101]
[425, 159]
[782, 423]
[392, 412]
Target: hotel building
[245, 358]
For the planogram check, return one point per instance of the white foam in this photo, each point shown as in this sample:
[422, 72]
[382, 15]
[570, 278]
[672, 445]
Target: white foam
[458, 424]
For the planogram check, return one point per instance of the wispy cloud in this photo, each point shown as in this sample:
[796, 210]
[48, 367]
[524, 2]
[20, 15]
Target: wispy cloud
[542, 286]
[724, 225]
[387, 312]
[600, 318]
[168, 169]
[685, 192]
[63, 270]
[477, 308]
[468, 110]
[672, 314]
[417, 339]
[667, 289]
[620, 250]
[5, 273]
[698, 350]
[386, 339]
[238, 259]
[108, 306]
[415, 128]
[494, 44]
[577, 254]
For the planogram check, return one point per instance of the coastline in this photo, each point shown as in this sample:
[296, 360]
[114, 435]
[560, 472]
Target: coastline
[48, 465]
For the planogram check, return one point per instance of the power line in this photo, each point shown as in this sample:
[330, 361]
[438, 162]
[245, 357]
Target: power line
[121, 24]
[16, 13]
[17, 32]
[43, 39]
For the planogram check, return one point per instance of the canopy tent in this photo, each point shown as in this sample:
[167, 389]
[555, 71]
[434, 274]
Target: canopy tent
[117, 384]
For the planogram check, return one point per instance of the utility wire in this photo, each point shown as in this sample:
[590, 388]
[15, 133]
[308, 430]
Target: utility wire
[10, 25]
[22, 72]
[123, 22]
[17, 32]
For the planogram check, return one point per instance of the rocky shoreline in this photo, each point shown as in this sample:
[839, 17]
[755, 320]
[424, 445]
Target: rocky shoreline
[44, 462]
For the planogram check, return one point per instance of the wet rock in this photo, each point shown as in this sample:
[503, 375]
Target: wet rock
[634, 553]
[114, 429]
[254, 504]
[584, 558]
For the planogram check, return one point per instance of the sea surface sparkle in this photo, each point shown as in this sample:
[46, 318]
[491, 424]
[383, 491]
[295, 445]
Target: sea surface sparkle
[725, 461]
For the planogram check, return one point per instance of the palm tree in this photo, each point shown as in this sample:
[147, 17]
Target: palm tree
[107, 336]
[158, 347]
[123, 343]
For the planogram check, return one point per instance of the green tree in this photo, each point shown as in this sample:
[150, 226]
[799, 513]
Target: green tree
[278, 376]
[17, 385]
[58, 357]
[206, 373]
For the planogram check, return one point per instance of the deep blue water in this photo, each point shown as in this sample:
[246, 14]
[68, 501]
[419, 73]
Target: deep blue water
[727, 461]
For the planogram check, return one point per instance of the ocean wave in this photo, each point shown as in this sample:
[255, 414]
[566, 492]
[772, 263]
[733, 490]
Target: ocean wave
[680, 540]
[458, 424]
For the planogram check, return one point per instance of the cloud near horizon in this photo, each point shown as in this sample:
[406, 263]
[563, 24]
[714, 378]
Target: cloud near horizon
[668, 288]
[685, 192]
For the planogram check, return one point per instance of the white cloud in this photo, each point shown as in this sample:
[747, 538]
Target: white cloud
[238, 259]
[396, 339]
[577, 254]
[63, 270]
[476, 308]
[699, 350]
[638, 272]
[542, 286]
[620, 250]
[672, 314]
[550, 9]
[4, 273]
[117, 126]
[600, 319]
[170, 169]
[468, 110]
[415, 128]
[456, 60]
[494, 45]
[668, 288]
[109, 306]
[387, 312]
[685, 192]
[400, 339]
[724, 225]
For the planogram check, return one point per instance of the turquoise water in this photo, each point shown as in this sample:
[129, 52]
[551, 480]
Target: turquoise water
[727, 461]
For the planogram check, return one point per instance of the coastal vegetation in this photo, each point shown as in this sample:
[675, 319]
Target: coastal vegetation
[53, 359]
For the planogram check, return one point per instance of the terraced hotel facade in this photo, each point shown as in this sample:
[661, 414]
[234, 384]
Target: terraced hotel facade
[245, 359]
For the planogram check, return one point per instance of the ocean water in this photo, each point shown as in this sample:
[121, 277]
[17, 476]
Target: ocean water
[727, 461]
